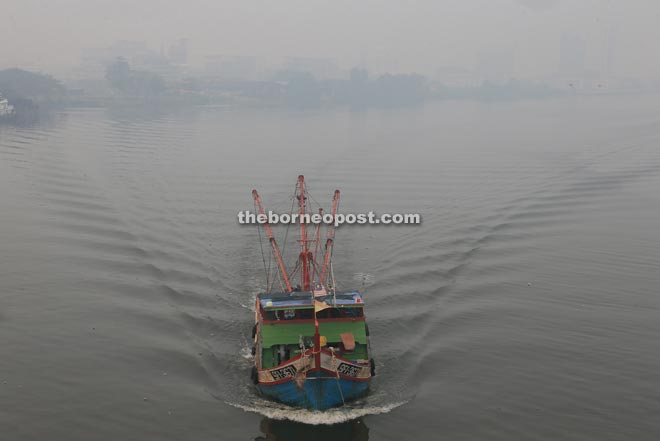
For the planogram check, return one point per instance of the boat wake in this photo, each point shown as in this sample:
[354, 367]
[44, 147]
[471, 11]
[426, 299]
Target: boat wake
[338, 415]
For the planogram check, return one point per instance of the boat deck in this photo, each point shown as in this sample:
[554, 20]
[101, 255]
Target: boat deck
[302, 299]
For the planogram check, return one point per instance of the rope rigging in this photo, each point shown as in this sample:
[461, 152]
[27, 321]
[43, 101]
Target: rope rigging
[308, 267]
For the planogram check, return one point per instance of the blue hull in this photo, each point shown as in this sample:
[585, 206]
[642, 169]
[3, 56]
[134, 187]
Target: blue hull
[319, 392]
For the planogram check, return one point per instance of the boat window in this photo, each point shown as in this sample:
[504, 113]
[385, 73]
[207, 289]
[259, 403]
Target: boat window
[353, 312]
[340, 313]
[272, 315]
[305, 314]
[329, 313]
[289, 314]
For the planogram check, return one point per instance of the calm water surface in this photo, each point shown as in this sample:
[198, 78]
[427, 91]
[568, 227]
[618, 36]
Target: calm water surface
[525, 307]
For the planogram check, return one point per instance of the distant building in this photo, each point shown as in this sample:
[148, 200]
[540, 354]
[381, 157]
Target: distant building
[93, 61]
[231, 67]
[495, 66]
[6, 109]
[456, 77]
[178, 52]
[322, 68]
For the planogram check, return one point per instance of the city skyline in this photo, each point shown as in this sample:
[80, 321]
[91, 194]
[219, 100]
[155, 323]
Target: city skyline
[525, 35]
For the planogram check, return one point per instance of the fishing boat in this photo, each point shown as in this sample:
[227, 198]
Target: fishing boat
[311, 341]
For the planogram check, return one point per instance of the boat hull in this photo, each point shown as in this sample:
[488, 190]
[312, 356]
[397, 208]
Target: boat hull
[319, 391]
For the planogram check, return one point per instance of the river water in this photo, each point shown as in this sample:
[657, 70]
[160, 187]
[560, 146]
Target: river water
[525, 307]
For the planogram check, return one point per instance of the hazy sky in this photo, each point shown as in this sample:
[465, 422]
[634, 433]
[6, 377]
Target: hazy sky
[398, 36]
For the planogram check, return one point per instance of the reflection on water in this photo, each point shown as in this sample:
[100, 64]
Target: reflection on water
[282, 430]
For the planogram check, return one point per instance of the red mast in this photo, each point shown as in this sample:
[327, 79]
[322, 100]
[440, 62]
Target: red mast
[331, 235]
[305, 255]
[317, 241]
[276, 250]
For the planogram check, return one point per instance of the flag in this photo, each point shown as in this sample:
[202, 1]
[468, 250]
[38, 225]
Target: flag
[320, 306]
[319, 290]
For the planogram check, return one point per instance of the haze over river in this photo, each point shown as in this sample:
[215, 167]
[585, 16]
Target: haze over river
[525, 307]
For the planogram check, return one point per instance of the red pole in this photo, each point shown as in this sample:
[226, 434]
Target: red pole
[317, 343]
[331, 235]
[304, 252]
[276, 250]
[317, 240]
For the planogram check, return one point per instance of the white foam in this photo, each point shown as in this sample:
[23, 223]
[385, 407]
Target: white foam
[338, 415]
[246, 353]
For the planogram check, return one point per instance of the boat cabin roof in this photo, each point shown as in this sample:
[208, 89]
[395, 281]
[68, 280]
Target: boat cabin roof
[305, 299]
